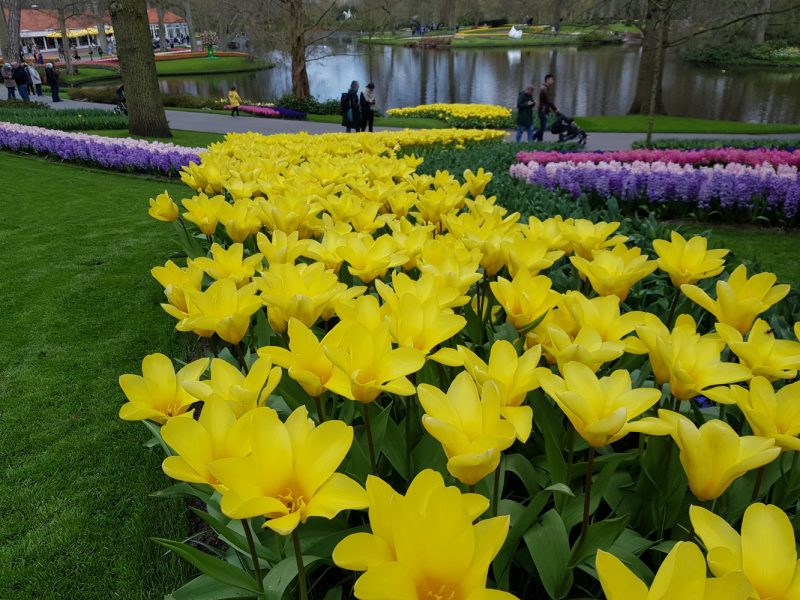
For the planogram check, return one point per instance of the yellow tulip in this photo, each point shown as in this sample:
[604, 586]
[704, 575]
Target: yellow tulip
[771, 414]
[282, 248]
[714, 455]
[615, 271]
[158, 395]
[300, 291]
[399, 203]
[242, 394]
[305, 359]
[291, 474]
[163, 208]
[221, 309]
[433, 205]
[370, 258]
[423, 325]
[230, 264]
[468, 426]
[531, 255]
[240, 189]
[688, 262]
[477, 182]
[205, 177]
[410, 239]
[525, 298]
[419, 183]
[548, 230]
[588, 347]
[694, 364]
[370, 366]
[216, 434]
[364, 310]
[740, 300]
[175, 281]
[423, 288]
[326, 250]
[363, 551]
[452, 265]
[290, 213]
[342, 208]
[514, 377]
[367, 220]
[762, 353]
[203, 211]
[603, 313]
[601, 410]
[682, 576]
[240, 220]
[765, 552]
[584, 236]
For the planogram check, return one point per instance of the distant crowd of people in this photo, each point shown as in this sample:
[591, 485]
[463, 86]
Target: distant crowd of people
[171, 43]
[358, 111]
[24, 78]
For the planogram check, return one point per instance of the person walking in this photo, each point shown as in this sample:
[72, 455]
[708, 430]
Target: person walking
[91, 52]
[234, 100]
[368, 107]
[8, 79]
[36, 80]
[51, 74]
[22, 79]
[545, 106]
[99, 53]
[525, 104]
[351, 115]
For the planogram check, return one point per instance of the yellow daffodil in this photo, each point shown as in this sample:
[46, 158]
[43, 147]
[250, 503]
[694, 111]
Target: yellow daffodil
[531, 255]
[584, 236]
[363, 551]
[203, 211]
[423, 325]
[615, 271]
[525, 298]
[299, 291]
[477, 182]
[221, 309]
[468, 425]
[771, 414]
[163, 208]
[714, 455]
[370, 366]
[176, 281]
[694, 364]
[368, 258]
[305, 359]
[740, 300]
[242, 394]
[158, 394]
[601, 410]
[765, 552]
[240, 220]
[514, 377]
[688, 262]
[682, 576]
[762, 353]
[424, 545]
[230, 264]
[291, 473]
[282, 248]
[216, 434]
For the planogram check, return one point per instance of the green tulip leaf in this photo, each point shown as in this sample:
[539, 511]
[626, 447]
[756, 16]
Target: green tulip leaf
[205, 588]
[599, 536]
[234, 538]
[522, 468]
[185, 490]
[548, 545]
[279, 578]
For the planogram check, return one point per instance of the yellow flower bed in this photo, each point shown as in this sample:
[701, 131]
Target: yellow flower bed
[460, 115]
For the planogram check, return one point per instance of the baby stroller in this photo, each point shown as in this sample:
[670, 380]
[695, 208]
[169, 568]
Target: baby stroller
[567, 130]
[122, 106]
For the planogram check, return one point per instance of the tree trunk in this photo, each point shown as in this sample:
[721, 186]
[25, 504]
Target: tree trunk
[654, 37]
[4, 45]
[187, 9]
[138, 67]
[13, 32]
[162, 31]
[62, 24]
[761, 22]
[101, 29]
[300, 85]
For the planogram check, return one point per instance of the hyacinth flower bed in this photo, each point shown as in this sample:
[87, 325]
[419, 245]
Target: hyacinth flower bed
[134, 156]
[734, 192]
[274, 112]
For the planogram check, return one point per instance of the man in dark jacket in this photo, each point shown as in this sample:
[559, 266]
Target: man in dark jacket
[545, 106]
[351, 116]
[22, 78]
[51, 74]
[525, 106]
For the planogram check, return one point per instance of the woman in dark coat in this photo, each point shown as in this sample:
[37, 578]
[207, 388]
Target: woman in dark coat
[525, 106]
[351, 117]
[368, 107]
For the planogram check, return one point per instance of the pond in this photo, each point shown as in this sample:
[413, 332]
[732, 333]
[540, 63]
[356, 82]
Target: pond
[595, 80]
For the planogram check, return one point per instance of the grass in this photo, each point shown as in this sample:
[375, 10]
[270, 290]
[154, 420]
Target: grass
[401, 122]
[81, 311]
[474, 41]
[180, 137]
[205, 66]
[86, 74]
[638, 124]
[775, 249]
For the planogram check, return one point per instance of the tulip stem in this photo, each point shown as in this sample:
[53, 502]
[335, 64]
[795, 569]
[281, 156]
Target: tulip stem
[674, 306]
[587, 498]
[369, 440]
[301, 572]
[472, 488]
[213, 346]
[249, 535]
[285, 339]
[320, 413]
[197, 347]
[497, 487]
[409, 401]
[571, 442]
[241, 359]
[759, 479]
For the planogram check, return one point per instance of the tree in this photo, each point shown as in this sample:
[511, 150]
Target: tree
[4, 45]
[138, 68]
[187, 15]
[655, 35]
[12, 30]
[101, 28]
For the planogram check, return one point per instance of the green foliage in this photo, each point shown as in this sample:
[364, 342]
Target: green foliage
[309, 105]
[25, 104]
[108, 95]
[70, 119]
[743, 51]
[638, 124]
[679, 144]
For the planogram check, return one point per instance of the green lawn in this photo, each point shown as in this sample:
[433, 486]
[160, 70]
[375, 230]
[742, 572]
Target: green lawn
[86, 74]
[474, 41]
[180, 137]
[401, 122]
[79, 309]
[638, 124]
[205, 66]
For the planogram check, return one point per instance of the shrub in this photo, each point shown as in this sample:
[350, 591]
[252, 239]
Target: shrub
[679, 144]
[17, 104]
[102, 95]
[309, 105]
[108, 95]
[65, 120]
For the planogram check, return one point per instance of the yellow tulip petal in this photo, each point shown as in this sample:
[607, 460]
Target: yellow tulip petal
[471, 468]
[768, 550]
[237, 508]
[617, 580]
[177, 468]
[390, 581]
[715, 533]
[521, 417]
[362, 551]
[338, 493]
[732, 586]
[284, 525]
[421, 489]
[322, 453]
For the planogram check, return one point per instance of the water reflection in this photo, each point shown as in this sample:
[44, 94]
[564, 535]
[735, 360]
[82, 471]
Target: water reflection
[590, 81]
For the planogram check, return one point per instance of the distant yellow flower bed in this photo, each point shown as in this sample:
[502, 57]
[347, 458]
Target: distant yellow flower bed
[483, 116]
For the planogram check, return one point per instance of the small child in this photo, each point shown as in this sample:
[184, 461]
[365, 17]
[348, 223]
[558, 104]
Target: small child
[234, 100]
